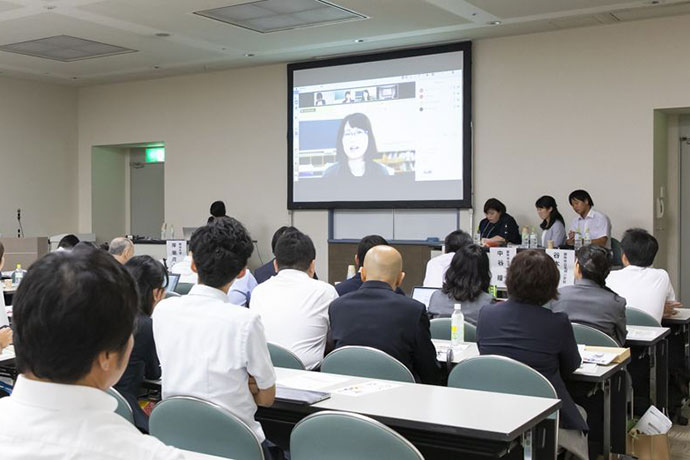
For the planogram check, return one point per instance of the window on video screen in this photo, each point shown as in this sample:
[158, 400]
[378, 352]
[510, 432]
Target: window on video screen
[396, 137]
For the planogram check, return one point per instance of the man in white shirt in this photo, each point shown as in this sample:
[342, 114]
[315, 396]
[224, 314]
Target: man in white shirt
[437, 266]
[294, 306]
[643, 287]
[588, 221]
[208, 347]
[74, 315]
[240, 291]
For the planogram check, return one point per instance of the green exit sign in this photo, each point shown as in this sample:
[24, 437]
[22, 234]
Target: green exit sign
[155, 155]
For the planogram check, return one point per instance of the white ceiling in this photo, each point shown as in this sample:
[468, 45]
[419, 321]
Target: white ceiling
[198, 44]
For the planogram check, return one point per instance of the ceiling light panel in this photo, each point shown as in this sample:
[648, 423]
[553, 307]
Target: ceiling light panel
[268, 16]
[65, 48]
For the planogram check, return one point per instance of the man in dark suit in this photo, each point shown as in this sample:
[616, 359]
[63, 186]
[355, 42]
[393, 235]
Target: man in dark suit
[355, 282]
[375, 316]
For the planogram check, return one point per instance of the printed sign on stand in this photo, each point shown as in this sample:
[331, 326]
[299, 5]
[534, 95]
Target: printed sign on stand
[565, 260]
[176, 250]
[499, 260]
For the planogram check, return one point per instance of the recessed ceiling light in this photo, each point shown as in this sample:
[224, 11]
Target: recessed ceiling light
[75, 78]
[248, 54]
[494, 23]
[49, 7]
[359, 40]
[162, 34]
[156, 67]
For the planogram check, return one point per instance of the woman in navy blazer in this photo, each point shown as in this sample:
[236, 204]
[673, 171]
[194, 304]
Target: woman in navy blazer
[523, 330]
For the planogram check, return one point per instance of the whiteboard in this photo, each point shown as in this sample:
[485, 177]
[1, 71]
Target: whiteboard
[398, 224]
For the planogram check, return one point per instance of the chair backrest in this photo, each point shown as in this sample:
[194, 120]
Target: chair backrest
[183, 288]
[470, 332]
[123, 408]
[200, 426]
[330, 435]
[586, 335]
[500, 374]
[282, 357]
[365, 362]
[637, 317]
[440, 328]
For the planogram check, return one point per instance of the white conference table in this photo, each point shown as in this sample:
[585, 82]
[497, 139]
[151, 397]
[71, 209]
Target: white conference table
[596, 374]
[189, 455]
[432, 417]
[651, 341]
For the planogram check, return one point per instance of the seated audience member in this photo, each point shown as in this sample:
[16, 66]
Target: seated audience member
[151, 278]
[355, 282]
[268, 270]
[645, 288]
[122, 249]
[209, 349]
[375, 316]
[240, 291]
[522, 330]
[184, 269]
[466, 283]
[4, 321]
[67, 243]
[294, 306]
[437, 266]
[588, 220]
[552, 224]
[217, 210]
[498, 227]
[74, 314]
[589, 301]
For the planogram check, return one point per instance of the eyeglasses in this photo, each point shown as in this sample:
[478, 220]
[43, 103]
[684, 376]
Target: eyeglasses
[355, 132]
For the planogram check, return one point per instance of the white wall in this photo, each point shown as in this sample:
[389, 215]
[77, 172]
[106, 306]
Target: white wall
[38, 157]
[108, 206]
[552, 112]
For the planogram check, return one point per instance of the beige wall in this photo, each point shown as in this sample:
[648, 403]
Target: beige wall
[108, 181]
[552, 112]
[38, 157]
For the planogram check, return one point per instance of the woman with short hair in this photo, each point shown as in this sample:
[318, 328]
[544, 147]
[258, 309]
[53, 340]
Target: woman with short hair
[498, 227]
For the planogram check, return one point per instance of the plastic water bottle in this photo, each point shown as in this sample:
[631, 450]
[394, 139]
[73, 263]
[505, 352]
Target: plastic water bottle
[171, 232]
[525, 238]
[18, 275]
[588, 239]
[477, 239]
[164, 231]
[533, 239]
[457, 327]
[578, 240]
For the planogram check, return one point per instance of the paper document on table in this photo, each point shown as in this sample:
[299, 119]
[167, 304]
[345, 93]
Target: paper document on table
[597, 357]
[640, 334]
[588, 368]
[313, 381]
[442, 347]
[366, 388]
[7, 353]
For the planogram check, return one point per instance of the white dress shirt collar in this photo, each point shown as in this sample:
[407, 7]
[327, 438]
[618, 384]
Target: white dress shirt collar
[208, 291]
[293, 274]
[58, 396]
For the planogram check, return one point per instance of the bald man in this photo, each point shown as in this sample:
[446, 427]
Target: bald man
[375, 316]
[121, 249]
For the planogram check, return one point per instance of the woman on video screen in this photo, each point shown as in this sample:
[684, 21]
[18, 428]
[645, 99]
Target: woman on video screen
[356, 150]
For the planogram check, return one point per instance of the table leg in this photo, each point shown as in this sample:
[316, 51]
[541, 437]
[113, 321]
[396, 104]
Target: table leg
[661, 362]
[619, 413]
[606, 387]
[544, 440]
[652, 375]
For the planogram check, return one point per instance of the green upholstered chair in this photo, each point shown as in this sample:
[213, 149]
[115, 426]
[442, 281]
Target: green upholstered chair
[365, 362]
[200, 426]
[440, 328]
[282, 357]
[333, 435]
[637, 317]
[123, 408]
[586, 335]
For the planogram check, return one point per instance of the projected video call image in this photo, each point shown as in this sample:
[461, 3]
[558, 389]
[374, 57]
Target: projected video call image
[390, 138]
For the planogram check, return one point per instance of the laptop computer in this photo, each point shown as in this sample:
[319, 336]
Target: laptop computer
[173, 279]
[187, 232]
[423, 294]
